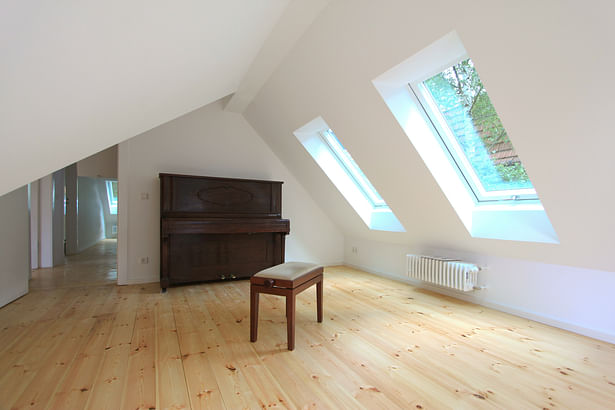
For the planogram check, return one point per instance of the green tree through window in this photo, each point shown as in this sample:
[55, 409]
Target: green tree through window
[463, 101]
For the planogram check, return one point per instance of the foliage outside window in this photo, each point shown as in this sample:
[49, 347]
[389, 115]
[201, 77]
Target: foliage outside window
[459, 107]
[451, 122]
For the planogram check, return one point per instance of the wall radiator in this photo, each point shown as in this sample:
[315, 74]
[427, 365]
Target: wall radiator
[450, 273]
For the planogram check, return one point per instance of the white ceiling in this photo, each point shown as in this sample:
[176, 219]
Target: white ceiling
[77, 77]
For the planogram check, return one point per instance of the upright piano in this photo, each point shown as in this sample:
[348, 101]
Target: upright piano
[218, 228]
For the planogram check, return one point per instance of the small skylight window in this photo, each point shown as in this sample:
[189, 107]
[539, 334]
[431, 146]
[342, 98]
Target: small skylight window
[353, 169]
[337, 163]
[112, 196]
[457, 104]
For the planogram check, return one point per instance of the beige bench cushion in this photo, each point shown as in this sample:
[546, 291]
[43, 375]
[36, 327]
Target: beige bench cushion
[287, 271]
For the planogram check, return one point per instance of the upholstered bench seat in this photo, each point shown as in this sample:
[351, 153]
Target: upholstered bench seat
[287, 271]
[287, 279]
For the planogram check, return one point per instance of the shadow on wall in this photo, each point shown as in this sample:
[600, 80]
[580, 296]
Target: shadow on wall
[96, 210]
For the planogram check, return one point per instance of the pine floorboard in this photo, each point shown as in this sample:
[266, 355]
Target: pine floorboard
[382, 345]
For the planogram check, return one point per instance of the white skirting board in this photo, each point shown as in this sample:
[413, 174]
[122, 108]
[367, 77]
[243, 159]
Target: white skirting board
[153, 279]
[6, 299]
[469, 297]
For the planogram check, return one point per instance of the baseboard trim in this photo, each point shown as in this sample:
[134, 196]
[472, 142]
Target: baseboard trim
[332, 264]
[537, 317]
[143, 280]
[137, 281]
[5, 300]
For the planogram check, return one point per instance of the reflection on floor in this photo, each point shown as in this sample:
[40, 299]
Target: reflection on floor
[94, 266]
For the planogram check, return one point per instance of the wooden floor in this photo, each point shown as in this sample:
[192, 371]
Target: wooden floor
[95, 265]
[382, 345]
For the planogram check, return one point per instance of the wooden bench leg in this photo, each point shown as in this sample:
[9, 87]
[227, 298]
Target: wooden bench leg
[319, 300]
[290, 320]
[254, 296]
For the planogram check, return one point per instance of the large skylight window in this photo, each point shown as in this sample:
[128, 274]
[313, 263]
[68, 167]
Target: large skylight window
[451, 121]
[337, 163]
[457, 104]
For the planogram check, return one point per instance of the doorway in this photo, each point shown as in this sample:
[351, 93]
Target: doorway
[74, 214]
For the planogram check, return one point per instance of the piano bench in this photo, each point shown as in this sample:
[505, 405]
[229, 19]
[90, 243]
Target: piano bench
[287, 279]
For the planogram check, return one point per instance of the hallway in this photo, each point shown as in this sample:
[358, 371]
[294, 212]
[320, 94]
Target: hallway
[94, 266]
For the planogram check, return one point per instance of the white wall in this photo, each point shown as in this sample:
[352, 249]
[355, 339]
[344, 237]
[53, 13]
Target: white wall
[14, 245]
[46, 221]
[208, 141]
[110, 222]
[91, 213]
[70, 177]
[34, 224]
[547, 82]
[567, 155]
[51, 220]
[58, 218]
[558, 295]
[103, 164]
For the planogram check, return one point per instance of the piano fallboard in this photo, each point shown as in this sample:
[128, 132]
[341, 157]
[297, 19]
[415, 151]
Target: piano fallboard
[217, 225]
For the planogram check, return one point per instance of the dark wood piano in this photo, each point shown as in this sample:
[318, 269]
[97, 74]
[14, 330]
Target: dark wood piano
[218, 228]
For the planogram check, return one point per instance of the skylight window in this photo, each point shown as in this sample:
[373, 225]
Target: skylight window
[450, 119]
[112, 196]
[458, 106]
[337, 163]
[353, 170]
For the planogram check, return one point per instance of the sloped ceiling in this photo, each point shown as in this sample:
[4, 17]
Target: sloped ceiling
[546, 65]
[77, 77]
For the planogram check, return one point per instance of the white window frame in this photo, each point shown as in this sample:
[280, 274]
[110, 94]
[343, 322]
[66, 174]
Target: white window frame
[340, 170]
[451, 146]
[352, 169]
[516, 220]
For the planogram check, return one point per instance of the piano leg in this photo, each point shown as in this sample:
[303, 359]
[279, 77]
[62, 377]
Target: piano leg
[254, 297]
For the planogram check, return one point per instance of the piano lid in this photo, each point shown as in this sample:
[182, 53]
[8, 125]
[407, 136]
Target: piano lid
[213, 197]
